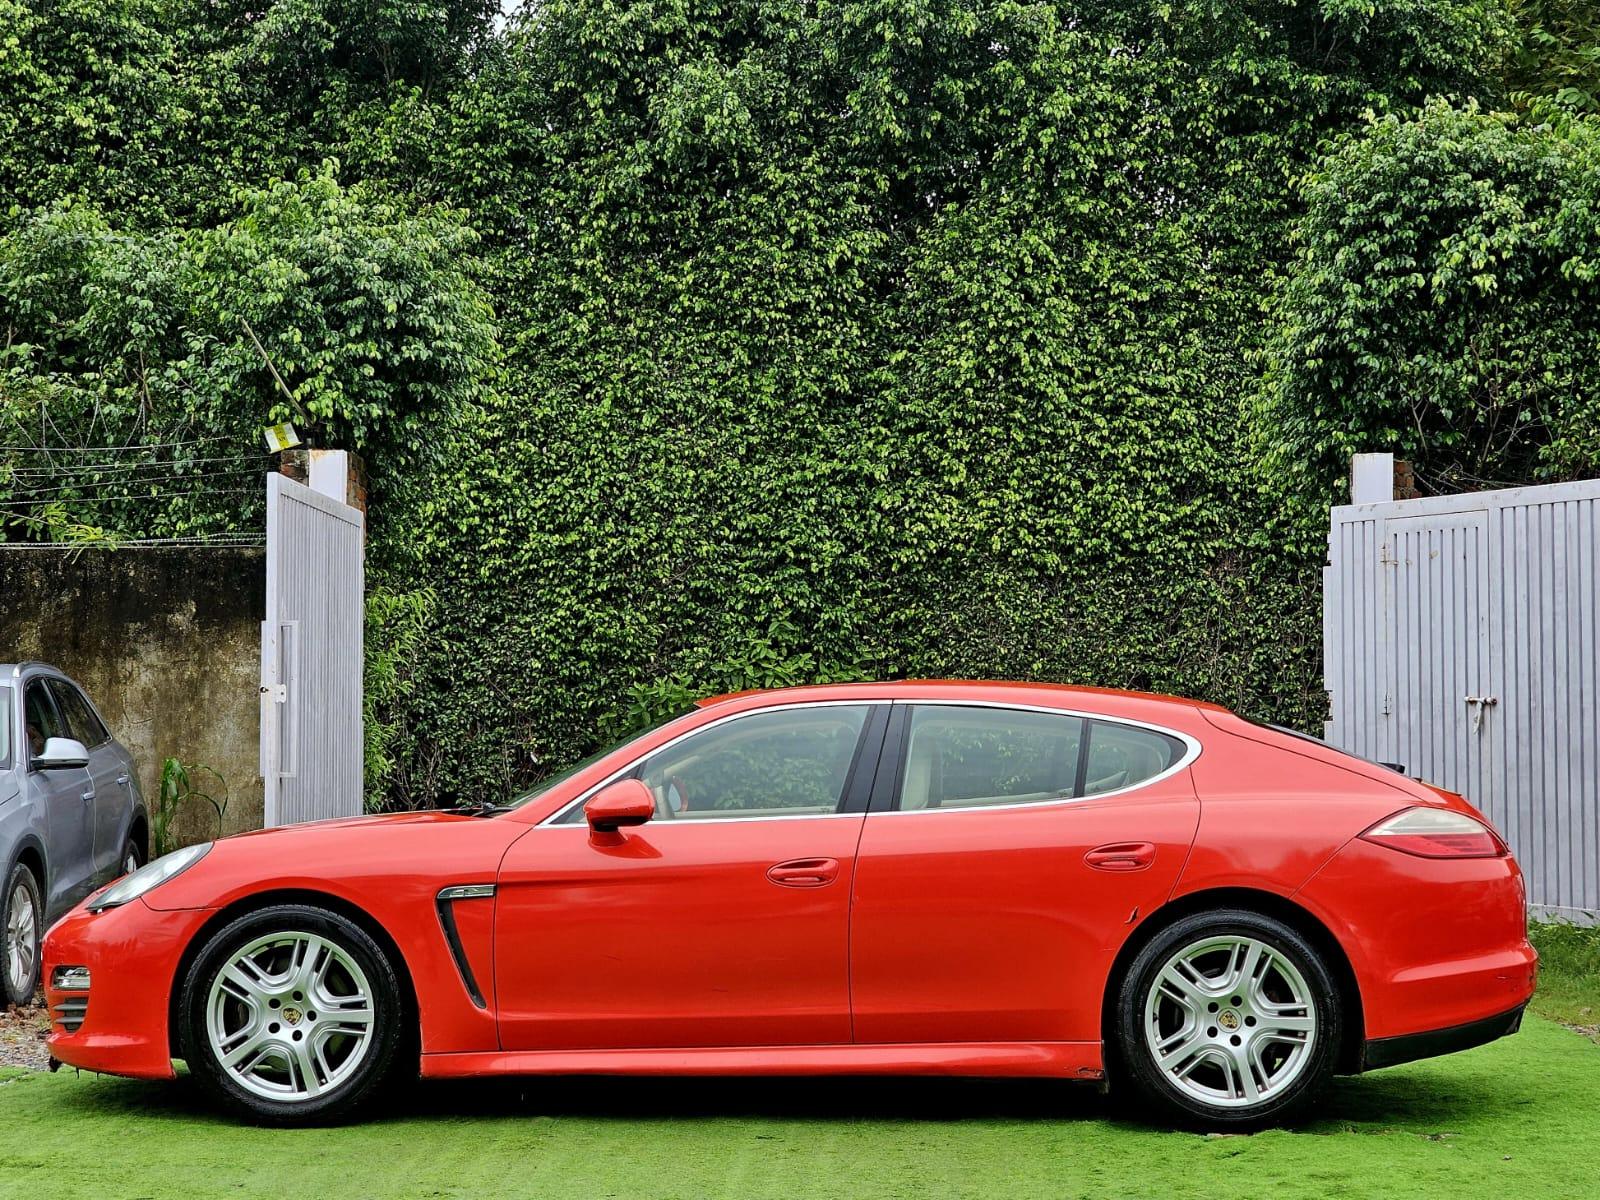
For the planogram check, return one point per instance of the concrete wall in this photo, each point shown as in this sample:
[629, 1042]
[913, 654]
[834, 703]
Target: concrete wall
[167, 642]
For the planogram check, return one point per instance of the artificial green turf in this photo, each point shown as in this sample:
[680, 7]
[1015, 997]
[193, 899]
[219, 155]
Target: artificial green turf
[1519, 1118]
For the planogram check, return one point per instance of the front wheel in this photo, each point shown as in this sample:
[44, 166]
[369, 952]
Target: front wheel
[291, 1014]
[1228, 1020]
[21, 919]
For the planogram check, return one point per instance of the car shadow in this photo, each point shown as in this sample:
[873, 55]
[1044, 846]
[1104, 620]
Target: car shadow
[1376, 1102]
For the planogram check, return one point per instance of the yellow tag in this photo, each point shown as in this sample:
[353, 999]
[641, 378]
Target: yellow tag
[280, 438]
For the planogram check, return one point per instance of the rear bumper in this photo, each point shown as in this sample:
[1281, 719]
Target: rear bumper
[1392, 1051]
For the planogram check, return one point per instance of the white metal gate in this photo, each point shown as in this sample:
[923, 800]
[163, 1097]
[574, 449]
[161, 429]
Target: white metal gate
[1460, 640]
[311, 664]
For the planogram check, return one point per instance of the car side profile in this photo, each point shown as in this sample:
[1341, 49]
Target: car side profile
[71, 815]
[913, 878]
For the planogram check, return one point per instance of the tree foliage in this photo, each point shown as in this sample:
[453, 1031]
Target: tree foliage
[1444, 304]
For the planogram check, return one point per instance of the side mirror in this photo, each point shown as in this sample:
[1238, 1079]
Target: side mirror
[626, 802]
[60, 754]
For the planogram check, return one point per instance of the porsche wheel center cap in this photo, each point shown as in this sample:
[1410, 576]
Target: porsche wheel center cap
[292, 1016]
[1228, 1019]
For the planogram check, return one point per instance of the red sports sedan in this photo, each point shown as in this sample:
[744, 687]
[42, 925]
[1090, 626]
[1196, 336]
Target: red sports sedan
[936, 878]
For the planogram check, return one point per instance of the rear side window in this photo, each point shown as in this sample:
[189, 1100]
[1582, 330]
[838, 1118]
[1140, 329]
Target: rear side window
[973, 757]
[5, 728]
[1123, 755]
[960, 757]
[80, 718]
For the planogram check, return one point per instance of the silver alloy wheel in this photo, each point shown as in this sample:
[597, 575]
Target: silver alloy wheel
[130, 861]
[1230, 1021]
[22, 941]
[290, 1016]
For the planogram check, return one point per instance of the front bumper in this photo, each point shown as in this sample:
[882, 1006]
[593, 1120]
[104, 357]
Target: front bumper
[132, 954]
[1392, 1051]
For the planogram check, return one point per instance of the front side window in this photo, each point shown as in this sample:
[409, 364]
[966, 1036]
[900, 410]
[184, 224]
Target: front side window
[972, 757]
[80, 718]
[40, 720]
[780, 763]
[976, 757]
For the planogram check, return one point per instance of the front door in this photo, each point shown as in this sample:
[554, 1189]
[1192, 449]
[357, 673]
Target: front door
[67, 799]
[723, 921]
[110, 773]
[991, 889]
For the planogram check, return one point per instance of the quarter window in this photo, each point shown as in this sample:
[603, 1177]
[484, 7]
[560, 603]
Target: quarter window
[780, 763]
[80, 718]
[5, 727]
[1123, 755]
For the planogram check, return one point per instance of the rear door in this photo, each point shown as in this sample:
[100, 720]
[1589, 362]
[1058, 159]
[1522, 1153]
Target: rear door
[110, 772]
[66, 797]
[1000, 866]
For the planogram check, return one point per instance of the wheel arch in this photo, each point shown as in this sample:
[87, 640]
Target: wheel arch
[31, 854]
[1268, 904]
[312, 898]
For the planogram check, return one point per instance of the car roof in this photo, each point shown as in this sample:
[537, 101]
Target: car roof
[1019, 691]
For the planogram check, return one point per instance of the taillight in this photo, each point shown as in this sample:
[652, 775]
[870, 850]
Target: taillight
[1436, 833]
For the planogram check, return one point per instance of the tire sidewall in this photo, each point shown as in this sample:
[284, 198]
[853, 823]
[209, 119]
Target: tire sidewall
[1133, 1055]
[388, 1013]
[20, 873]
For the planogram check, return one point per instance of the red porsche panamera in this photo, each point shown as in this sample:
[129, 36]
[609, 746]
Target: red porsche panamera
[941, 878]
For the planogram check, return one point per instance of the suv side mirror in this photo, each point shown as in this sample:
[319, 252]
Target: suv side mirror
[61, 753]
[625, 802]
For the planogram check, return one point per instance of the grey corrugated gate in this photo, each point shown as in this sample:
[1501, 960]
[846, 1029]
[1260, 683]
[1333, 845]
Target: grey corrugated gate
[311, 749]
[1460, 639]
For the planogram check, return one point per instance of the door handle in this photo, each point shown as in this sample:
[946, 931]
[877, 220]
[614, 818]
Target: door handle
[123, 780]
[1121, 856]
[89, 795]
[804, 872]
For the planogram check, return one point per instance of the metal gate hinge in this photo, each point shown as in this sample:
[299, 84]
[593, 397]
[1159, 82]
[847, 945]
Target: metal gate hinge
[278, 691]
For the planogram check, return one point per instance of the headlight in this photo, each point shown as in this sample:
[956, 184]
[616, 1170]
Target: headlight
[131, 887]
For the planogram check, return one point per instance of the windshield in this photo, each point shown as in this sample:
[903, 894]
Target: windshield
[550, 781]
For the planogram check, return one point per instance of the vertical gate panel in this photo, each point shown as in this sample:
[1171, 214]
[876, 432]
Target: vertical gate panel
[311, 656]
[1462, 638]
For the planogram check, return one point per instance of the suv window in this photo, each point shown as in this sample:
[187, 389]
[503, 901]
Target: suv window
[1123, 755]
[970, 757]
[779, 763]
[80, 718]
[40, 720]
[5, 728]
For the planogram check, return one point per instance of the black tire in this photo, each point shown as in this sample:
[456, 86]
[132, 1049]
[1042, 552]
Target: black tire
[1303, 1078]
[20, 883]
[388, 1013]
[133, 856]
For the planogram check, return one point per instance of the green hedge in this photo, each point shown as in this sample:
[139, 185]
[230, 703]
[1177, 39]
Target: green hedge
[776, 341]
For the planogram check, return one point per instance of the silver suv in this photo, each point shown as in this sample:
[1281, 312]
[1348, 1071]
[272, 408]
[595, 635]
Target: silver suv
[71, 816]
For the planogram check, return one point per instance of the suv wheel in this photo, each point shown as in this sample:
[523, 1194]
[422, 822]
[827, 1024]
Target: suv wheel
[21, 918]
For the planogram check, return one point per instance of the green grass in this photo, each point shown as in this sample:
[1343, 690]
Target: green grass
[1569, 976]
[1516, 1119]
[1513, 1119]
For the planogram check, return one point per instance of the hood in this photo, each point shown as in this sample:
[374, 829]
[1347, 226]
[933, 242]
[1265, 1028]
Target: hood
[379, 820]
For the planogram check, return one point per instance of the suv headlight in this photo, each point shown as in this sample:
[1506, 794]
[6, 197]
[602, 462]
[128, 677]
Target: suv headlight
[152, 875]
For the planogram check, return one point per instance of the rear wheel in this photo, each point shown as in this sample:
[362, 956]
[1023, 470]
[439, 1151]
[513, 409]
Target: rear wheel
[21, 919]
[1229, 1020]
[292, 1014]
[132, 856]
